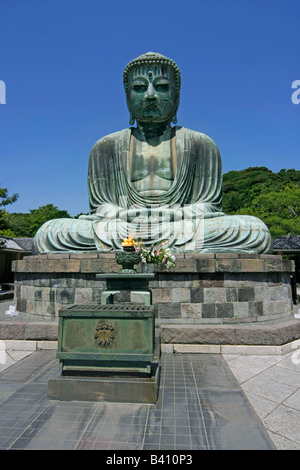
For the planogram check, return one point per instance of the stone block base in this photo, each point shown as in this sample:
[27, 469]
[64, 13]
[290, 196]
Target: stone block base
[111, 389]
[208, 289]
[29, 330]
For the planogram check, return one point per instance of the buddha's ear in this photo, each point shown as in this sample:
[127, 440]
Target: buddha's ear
[132, 118]
[174, 118]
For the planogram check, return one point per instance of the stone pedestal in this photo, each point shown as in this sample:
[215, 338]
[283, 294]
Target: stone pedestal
[202, 291]
[111, 389]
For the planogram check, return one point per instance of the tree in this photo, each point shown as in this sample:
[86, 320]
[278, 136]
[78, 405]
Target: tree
[272, 197]
[19, 223]
[280, 210]
[5, 200]
[43, 214]
[26, 224]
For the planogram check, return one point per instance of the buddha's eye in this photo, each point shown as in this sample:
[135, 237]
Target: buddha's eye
[140, 88]
[162, 87]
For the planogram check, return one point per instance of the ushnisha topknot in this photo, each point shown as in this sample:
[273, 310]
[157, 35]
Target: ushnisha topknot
[152, 58]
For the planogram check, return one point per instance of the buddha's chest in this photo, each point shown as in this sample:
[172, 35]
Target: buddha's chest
[151, 167]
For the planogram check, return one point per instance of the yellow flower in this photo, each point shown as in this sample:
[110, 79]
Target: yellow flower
[128, 242]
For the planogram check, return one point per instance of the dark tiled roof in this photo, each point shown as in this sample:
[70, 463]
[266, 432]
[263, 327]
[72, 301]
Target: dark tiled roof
[24, 243]
[287, 242]
[16, 244]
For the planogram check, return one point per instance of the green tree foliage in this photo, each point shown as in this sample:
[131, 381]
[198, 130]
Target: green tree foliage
[272, 197]
[5, 200]
[43, 214]
[27, 224]
[19, 223]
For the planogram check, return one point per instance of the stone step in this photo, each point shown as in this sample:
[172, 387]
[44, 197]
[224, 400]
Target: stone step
[247, 334]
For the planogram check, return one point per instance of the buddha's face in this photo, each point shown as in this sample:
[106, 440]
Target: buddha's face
[152, 95]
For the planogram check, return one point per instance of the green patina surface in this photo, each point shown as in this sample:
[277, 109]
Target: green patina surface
[112, 338]
[155, 181]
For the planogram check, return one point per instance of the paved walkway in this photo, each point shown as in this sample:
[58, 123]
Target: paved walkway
[206, 401]
[201, 406]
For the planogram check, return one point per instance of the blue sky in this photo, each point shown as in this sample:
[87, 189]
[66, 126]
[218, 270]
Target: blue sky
[63, 61]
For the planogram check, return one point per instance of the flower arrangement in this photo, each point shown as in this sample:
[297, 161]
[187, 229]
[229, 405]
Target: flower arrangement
[159, 253]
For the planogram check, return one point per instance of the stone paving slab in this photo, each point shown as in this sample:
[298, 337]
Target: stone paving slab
[272, 385]
[284, 421]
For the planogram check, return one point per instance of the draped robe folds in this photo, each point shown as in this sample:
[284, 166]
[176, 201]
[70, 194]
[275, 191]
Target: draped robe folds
[189, 215]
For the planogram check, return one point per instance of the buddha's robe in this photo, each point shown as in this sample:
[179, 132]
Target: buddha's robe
[188, 214]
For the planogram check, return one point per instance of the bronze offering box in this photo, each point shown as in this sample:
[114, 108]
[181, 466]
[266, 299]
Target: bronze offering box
[109, 339]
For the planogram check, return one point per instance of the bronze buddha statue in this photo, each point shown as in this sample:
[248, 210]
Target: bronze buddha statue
[155, 181]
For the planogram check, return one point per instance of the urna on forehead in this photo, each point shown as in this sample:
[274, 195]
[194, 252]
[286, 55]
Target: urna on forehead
[158, 64]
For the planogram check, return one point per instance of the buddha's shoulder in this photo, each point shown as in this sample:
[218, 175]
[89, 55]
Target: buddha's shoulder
[194, 135]
[111, 138]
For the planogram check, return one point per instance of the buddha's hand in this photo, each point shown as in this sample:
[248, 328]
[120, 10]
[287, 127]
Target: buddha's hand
[135, 215]
[151, 215]
[114, 212]
[108, 211]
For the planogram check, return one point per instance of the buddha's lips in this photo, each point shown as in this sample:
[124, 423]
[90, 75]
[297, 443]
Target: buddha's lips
[151, 106]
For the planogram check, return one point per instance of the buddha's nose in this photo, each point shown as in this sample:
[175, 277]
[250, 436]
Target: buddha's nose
[151, 91]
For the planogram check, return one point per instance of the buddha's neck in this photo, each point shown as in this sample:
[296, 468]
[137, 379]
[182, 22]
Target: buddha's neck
[150, 130]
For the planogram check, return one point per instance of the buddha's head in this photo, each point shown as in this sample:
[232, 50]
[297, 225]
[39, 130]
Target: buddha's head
[152, 85]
